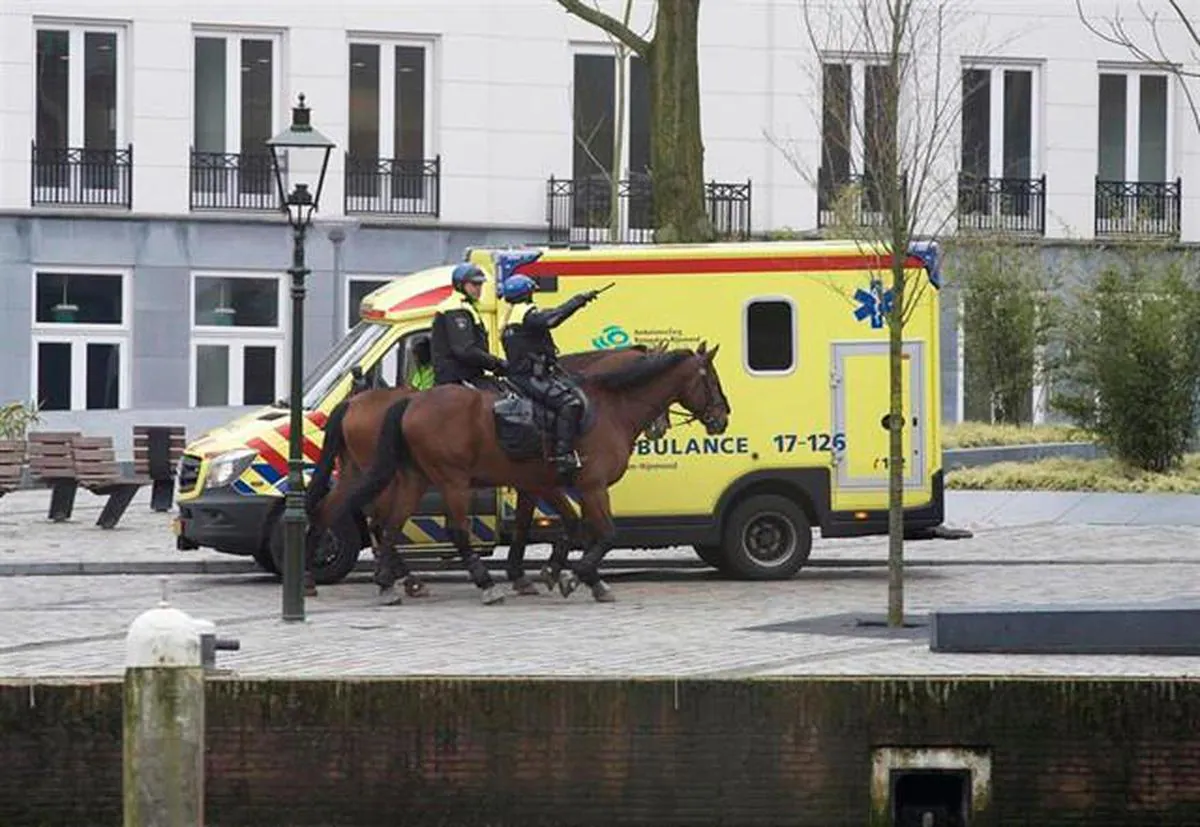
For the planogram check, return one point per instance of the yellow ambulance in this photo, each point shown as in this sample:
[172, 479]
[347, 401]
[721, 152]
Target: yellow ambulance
[804, 363]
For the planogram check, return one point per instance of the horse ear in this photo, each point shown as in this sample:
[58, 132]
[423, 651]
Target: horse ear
[703, 347]
[712, 354]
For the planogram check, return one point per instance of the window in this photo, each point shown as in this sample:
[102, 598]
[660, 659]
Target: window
[234, 110]
[237, 340]
[594, 137]
[80, 339]
[1133, 126]
[999, 122]
[770, 337]
[389, 134]
[854, 130]
[79, 113]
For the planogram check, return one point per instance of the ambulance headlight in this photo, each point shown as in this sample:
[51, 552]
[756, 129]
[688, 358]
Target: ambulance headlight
[225, 468]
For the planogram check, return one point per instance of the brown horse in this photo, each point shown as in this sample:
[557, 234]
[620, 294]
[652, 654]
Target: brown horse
[350, 435]
[446, 437]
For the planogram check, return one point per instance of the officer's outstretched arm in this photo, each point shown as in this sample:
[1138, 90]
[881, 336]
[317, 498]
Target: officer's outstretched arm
[555, 316]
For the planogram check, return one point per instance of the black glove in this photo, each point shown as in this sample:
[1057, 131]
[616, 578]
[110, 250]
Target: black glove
[500, 367]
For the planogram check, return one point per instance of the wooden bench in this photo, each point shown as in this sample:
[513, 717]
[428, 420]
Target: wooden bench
[96, 470]
[12, 463]
[52, 461]
[156, 452]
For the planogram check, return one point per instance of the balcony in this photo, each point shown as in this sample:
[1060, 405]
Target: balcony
[232, 181]
[393, 186]
[851, 199]
[1137, 208]
[579, 211]
[1001, 205]
[81, 177]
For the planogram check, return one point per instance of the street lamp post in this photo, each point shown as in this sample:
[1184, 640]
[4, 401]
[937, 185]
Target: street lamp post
[299, 205]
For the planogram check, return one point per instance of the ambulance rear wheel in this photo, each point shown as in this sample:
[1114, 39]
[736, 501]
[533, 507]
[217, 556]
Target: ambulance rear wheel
[336, 556]
[767, 537]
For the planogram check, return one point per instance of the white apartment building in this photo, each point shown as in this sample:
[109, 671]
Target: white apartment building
[142, 254]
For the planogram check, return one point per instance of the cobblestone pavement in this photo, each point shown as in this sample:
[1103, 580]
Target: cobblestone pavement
[685, 623]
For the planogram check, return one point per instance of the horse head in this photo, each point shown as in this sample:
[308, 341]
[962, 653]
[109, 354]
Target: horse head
[702, 394]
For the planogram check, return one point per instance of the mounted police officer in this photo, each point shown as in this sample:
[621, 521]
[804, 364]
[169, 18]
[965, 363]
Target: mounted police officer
[459, 338]
[533, 363]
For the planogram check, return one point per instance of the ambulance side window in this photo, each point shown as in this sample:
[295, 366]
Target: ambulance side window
[770, 335]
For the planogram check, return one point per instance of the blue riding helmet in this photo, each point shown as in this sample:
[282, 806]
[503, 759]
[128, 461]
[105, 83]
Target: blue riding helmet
[466, 273]
[518, 287]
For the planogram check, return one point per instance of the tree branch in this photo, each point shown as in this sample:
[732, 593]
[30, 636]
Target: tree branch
[609, 24]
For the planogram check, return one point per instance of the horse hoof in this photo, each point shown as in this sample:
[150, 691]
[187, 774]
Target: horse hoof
[567, 583]
[491, 596]
[525, 586]
[388, 596]
[548, 576]
[603, 593]
[416, 588]
[310, 591]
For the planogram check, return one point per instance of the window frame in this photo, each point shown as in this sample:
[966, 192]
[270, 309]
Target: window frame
[238, 338]
[1133, 73]
[387, 43]
[233, 37]
[346, 292]
[596, 48]
[76, 29]
[996, 112]
[858, 63]
[81, 335]
[794, 363]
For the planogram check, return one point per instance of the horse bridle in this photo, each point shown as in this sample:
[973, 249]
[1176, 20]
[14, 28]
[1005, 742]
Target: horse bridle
[707, 416]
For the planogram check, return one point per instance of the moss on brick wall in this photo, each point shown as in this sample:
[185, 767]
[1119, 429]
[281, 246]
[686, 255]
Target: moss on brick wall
[530, 752]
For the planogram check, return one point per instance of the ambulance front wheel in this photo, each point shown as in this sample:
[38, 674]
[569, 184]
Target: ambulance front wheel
[767, 537]
[337, 551]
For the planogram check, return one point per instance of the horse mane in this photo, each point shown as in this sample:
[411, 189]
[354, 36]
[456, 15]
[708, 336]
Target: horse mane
[645, 369]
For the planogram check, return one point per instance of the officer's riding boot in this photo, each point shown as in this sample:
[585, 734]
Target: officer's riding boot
[566, 462]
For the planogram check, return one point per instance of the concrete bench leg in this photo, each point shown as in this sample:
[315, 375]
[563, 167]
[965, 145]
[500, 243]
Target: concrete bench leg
[62, 499]
[162, 494]
[119, 497]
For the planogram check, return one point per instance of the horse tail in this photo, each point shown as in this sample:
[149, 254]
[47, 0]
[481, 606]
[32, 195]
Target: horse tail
[391, 455]
[331, 449]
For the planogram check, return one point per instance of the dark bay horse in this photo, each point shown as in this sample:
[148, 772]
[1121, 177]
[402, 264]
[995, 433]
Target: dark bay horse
[446, 437]
[350, 437]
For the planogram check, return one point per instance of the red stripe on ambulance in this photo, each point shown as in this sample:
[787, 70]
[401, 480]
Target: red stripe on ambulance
[708, 266]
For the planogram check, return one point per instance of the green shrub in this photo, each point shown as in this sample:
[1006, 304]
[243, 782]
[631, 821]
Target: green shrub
[1131, 359]
[16, 417]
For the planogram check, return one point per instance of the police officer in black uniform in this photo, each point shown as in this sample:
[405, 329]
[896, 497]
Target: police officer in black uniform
[459, 338]
[533, 363]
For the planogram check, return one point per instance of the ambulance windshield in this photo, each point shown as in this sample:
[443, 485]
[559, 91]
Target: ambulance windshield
[346, 353]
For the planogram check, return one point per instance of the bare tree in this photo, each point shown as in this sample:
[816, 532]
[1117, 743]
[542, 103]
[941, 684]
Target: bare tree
[904, 129]
[676, 144]
[1155, 44]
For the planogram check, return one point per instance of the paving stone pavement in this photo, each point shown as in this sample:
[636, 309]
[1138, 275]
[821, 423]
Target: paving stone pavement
[684, 623]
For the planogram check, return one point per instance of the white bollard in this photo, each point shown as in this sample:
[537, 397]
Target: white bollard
[164, 720]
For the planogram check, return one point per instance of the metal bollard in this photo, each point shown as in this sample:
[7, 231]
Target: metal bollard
[164, 720]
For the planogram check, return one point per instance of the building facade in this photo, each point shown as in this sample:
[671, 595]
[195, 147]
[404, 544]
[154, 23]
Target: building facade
[142, 255]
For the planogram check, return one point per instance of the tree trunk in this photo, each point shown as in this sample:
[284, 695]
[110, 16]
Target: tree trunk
[677, 148]
[896, 457]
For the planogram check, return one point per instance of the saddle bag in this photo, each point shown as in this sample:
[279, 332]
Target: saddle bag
[516, 427]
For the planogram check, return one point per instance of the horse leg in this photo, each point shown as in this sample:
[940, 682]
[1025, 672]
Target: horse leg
[457, 496]
[414, 586]
[515, 566]
[390, 565]
[572, 536]
[597, 512]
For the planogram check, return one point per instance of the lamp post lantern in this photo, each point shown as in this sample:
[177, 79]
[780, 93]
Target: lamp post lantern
[299, 205]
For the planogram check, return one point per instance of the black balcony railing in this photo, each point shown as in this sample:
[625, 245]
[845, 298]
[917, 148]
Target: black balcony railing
[232, 181]
[1002, 205]
[579, 210]
[1138, 208]
[856, 199]
[393, 186]
[81, 176]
